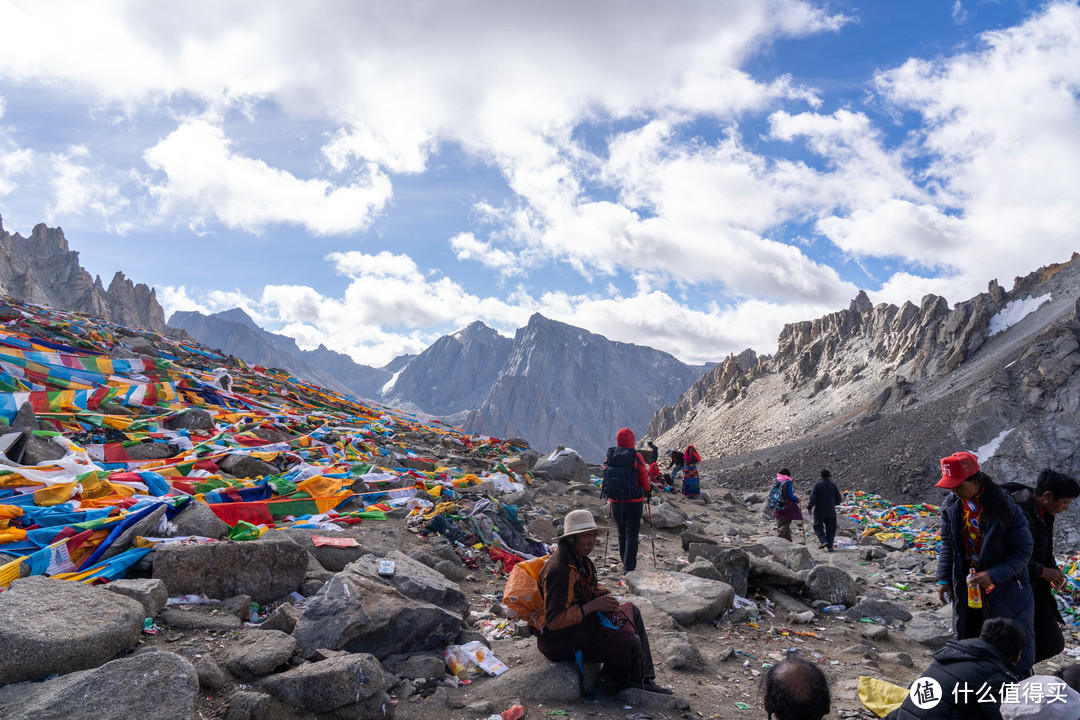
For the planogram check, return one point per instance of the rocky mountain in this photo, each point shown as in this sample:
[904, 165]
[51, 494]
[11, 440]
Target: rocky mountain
[42, 269]
[455, 374]
[880, 393]
[562, 385]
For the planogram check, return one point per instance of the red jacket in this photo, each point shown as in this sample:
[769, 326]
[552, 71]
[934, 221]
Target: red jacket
[625, 439]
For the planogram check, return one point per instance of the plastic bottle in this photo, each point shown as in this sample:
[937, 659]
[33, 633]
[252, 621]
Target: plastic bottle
[974, 593]
[834, 609]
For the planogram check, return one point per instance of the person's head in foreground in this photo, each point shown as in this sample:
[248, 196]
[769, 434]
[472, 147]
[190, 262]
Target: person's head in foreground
[1006, 635]
[795, 689]
[1054, 491]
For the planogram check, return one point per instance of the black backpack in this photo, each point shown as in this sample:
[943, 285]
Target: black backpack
[620, 480]
[776, 499]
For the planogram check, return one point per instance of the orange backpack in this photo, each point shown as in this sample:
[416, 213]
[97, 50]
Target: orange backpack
[521, 596]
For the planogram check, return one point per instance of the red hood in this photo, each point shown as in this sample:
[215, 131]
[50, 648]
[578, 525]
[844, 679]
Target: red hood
[625, 438]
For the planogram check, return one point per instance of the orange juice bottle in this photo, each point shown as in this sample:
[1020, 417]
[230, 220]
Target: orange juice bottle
[974, 593]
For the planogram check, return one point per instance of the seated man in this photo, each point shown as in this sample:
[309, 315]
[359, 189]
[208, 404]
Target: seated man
[795, 689]
[968, 677]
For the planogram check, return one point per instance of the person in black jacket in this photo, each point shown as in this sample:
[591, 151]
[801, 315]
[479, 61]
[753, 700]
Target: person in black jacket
[823, 501]
[1052, 495]
[966, 677]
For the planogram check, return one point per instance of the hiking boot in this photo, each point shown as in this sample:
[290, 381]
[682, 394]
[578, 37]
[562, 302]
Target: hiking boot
[649, 685]
[608, 685]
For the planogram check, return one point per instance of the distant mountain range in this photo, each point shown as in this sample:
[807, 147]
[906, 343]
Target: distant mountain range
[552, 384]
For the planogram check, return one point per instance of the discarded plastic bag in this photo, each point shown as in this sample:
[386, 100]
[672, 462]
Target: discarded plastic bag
[482, 656]
[880, 696]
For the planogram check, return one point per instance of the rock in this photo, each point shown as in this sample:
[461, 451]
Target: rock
[191, 419]
[144, 527]
[197, 618]
[266, 569]
[427, 558]
[766, 573]
[198, 519]
[832, 585]
[702, 568]
[542, 528]
[152, 451]
[643, 701]
[733, 564]
[419, 666]
[875, 632]
[332, 686]
[159, 685]
[566, 466]
[806, 616]
[889, 611]
[283, 618]
[687, 537]
[664, 516]
[901, 658]
[151, 594]
[248, 705]
[330, 558]
[417, 581]
[41, 451]
[753, 498]
[929, 629]
[543, 681]
[240, 606]
[687, 599]
[454, 572]
[55, 626]
[245, 466]
[358, 614]
[797, 557]
[258, 653]
[211, 676]
[897, 543]
[676, 651]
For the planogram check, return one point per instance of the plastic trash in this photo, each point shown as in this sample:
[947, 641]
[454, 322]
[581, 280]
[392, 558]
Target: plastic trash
[834, 609]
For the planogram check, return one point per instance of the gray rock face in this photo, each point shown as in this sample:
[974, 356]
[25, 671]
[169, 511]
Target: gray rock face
[930, 629]
[42, 269]
[355, 613]
[246, 466]
[832, 585]
[702, 568]
[160, 685]
[565, 466]
[664, 516]
[197, 618]
[198, 519]
[676, 651]
[329, 557]
[886, 609]
[541, 680]
[337, 685]
[151, 594]
[258, 653]
[768, 574]
[417, 581]
[733, 564]
[55, 626]
[266, 569]
[685, 598]
[191, 419]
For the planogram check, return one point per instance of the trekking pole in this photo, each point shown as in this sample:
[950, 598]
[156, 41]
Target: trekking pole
[607, 537]
[652, 531]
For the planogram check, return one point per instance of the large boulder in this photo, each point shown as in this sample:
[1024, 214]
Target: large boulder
[155, 684]
[199, 520]
[151, 594]
[348, 685]
[733, 564]
[564, 465]
[832, 585]
[415, 580]
[887, 610]
[355, 613]
[664, 516]
[542, 680]
[930, 629]
[768, 574]
[258, 653]
[55, 626]
[686, 598]
[266, 569]
[245, 466]
[141, 528]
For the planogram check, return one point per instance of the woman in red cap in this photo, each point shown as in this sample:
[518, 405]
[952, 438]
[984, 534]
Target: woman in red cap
[985, 548]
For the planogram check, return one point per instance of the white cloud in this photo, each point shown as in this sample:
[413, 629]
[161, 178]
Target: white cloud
[204, 179]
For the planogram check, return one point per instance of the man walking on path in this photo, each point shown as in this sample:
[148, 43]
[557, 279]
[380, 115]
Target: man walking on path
[791, 510]
[625, 484]
[823, 501]
[1052, 495]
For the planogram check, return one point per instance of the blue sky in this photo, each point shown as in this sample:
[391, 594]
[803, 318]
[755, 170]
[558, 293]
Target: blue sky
[689, 176]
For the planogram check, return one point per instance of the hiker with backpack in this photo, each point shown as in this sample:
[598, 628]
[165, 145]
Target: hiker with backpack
[691, 484]
[823, 501]
[584, 621]
[626, 485]
[675, 468]
[784, 504]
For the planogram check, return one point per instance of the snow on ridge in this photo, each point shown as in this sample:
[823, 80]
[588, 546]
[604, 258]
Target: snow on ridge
[1015, 311]
[390, 383]
[987, 451]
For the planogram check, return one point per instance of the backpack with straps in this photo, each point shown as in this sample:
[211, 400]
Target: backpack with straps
[521, 596]
[620, 481]
[776, 499]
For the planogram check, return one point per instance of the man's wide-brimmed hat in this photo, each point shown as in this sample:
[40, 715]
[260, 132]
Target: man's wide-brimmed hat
[579, 521]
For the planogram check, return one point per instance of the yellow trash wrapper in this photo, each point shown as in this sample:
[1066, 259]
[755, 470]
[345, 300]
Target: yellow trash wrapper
[880, 697]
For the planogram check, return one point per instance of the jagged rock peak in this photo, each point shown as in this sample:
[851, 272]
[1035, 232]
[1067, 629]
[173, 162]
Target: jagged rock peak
[237, 315]
[476, 331]
[861, 303]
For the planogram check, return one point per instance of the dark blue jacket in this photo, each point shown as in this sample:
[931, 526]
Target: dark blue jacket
[1006, 550]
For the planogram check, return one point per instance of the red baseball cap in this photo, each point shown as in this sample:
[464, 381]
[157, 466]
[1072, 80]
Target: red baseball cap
[957, 468]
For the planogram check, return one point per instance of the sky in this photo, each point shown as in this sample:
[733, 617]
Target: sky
[686, 175]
